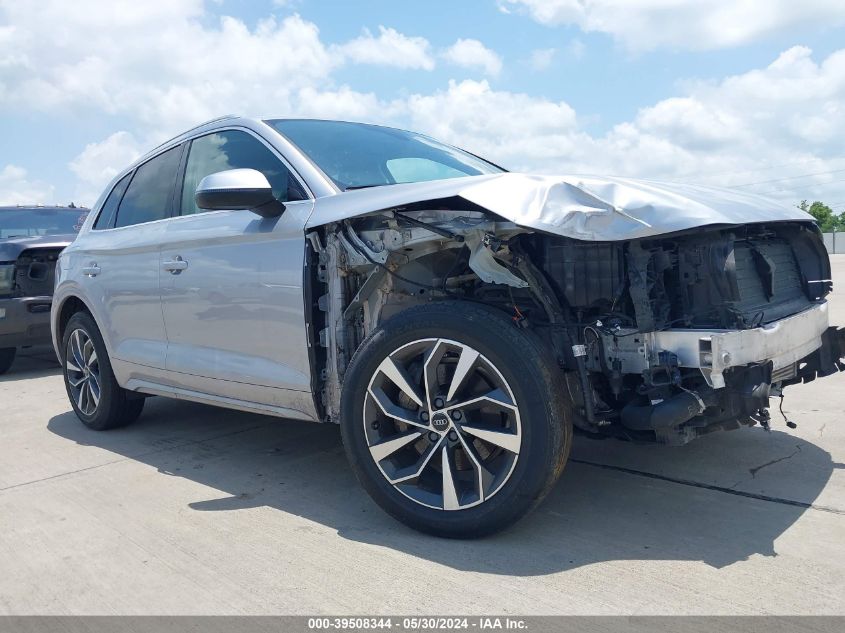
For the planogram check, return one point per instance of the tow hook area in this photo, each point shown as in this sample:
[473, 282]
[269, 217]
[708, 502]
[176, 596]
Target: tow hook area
[668, 413]
[688, 413]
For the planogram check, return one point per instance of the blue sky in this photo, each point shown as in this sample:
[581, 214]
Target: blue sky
[607, 83]
[736, 93]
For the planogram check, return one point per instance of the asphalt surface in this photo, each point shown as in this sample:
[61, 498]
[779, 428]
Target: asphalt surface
[196, 510]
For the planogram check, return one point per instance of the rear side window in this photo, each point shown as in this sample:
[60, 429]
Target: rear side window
[233, 149]
[106, 217]
[148, 196]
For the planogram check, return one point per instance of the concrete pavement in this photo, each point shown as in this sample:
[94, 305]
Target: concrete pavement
[195, 510]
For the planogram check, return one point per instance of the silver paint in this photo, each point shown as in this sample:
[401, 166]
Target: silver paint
[210, 307]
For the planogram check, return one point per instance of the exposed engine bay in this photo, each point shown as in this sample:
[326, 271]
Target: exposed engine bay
[663, 338]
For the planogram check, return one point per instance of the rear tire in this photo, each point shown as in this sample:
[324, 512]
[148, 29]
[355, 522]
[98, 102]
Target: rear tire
[98, 401]
[455, 457]
[7, 357]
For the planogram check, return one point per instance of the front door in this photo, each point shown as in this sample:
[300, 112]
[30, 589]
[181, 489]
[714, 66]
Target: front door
[231, 284]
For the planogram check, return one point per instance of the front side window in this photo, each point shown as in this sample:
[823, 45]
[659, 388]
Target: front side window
[233, 149]
[149, 193]
[356, 155]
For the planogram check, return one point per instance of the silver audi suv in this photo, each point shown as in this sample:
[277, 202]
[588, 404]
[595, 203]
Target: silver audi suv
[456, 320]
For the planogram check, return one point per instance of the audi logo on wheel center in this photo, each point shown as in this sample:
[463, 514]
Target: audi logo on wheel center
[439, 421]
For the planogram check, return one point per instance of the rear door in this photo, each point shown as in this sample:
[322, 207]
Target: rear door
[120, 264]
[231, 282]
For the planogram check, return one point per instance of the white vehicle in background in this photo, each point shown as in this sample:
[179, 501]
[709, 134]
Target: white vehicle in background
[456, 320]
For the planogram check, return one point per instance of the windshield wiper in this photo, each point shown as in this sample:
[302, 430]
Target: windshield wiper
[353, 187]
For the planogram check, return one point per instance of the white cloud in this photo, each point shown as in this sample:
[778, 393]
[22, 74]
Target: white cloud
[794, 103]
[161, 66]
[517, 130]
[17, 188]
[155, 62]
[576, 49]
[790, 115]
[542, 58]
[390, 48]
[686, 24]
[343, 103]
[470, 53]
[99, 162]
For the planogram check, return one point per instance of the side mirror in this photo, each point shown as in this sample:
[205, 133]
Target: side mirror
[236, 189]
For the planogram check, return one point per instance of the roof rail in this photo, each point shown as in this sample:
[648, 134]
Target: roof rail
[214, 120]
[196, 127]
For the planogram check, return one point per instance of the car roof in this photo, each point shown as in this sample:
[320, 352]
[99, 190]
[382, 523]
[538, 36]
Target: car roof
[317, 182]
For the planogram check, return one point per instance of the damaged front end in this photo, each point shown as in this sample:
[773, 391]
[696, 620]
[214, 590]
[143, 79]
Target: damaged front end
[661, 338]
[362, 271]
[701, 328]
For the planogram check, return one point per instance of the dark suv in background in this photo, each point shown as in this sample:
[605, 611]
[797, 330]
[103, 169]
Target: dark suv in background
[31, 239]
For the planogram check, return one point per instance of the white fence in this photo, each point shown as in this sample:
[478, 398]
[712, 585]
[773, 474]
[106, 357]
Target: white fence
[835, 242]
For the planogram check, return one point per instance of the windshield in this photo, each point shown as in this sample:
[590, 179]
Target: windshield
[35, 222]
[355, 155]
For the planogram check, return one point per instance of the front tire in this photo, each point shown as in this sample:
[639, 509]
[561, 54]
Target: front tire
[98, 401]
[455, 421]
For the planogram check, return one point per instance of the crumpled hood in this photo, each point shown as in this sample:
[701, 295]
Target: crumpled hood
[580, 207]
[12, 247]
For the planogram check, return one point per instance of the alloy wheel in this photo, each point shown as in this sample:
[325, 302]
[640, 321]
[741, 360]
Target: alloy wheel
[442, 424]
[82, 368]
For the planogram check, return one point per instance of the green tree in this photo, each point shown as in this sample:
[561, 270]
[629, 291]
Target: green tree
[824, 215]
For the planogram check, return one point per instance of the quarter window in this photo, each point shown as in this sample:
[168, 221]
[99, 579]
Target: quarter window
[149, 193]
[232, 149]
[106, 217]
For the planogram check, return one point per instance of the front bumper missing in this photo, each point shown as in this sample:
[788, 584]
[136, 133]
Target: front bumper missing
[784, 343]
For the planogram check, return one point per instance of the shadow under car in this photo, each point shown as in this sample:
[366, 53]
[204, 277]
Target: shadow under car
[597, 511]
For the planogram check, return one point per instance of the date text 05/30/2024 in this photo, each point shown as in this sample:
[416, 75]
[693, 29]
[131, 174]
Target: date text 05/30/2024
[481, 623]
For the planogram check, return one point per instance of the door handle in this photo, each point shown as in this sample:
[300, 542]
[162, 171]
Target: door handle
[92, 270]
[175, 265]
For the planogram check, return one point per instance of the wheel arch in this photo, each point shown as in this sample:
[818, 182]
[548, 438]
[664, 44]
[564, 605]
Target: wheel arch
[69, 306]
[369, 269]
